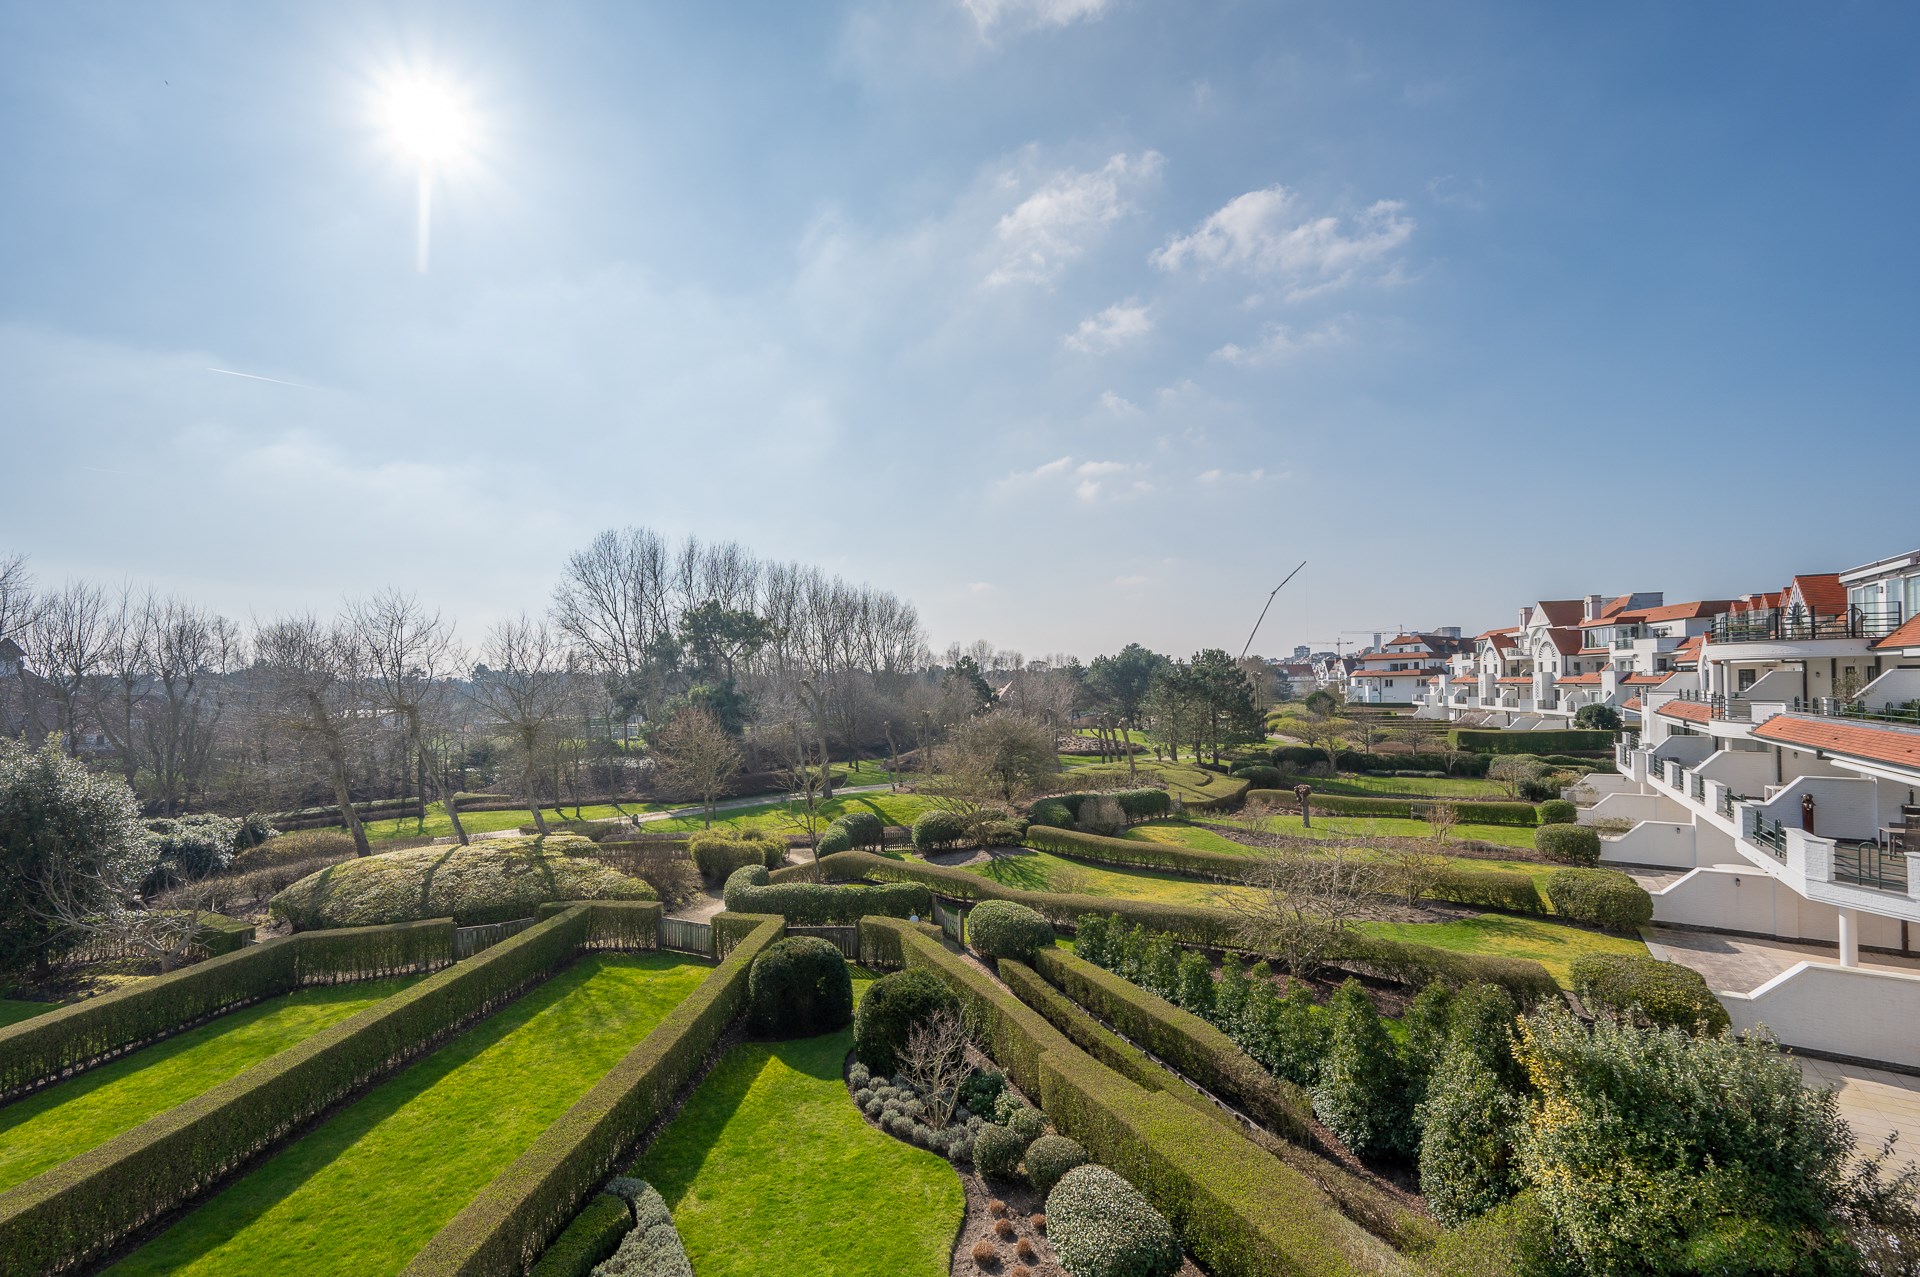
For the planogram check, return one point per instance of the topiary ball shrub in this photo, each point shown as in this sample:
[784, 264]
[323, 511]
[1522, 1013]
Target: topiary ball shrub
[799, 987]
[1101, 1226]
[893, 1005]
[1027, 1122]
[996, 1152]
[1050, 1157]
[938, 831]
[1603, 897]
[981, 1089]
[833, 840]
[1003, 929]
[864, 828]
[1050, 812]
[1557, 811]
[1647, 991]
[1569, 844]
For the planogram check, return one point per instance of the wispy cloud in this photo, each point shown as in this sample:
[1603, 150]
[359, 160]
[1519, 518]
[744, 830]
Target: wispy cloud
[1119, 405]
[1090, 480]
[989, 14]
[1268, 233]
[1232, 476]
[1111, 329]
[1056, 223]
[1130, 582]
[1279, 343]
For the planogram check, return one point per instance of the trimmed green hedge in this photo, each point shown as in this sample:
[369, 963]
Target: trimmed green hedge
[1558, 811]
[593, 1235]
[1218, 866]
[1648, 990]
[1507, 889]
[1193, 925]
[1062, 810]
[1242, 1212]
[1570, 844]
[1185, 1041]
[1604, 897]
[1560, 742]
[1004, 929]
[717, 853]
[1420, 964]
[819, 904]
[938, 830]
[48, 1047]
[1473, 813]
[85, 1206]
[509, 1222]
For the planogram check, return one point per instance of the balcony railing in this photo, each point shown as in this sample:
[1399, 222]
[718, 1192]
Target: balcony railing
[1725, 805]
[1770, 834]
[1697, 787]
[1676, 772]
[1907, 714]
[1869, 865]
[1793, 625]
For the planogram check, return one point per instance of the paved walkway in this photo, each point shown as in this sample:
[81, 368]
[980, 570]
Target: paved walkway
[1875, 1103]
[1741, 964]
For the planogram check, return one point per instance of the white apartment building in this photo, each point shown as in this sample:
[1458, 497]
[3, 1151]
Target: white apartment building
[1398, 671]
[1781, 775]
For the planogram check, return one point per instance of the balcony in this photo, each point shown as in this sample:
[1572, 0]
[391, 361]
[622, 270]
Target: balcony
[1870, 865]
[1792, 625]
[1906, 714]
[1767, 833]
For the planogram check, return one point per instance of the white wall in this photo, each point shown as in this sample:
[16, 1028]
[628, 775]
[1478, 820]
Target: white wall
[1667, 844]
[1730, 898]
[1854, 1012]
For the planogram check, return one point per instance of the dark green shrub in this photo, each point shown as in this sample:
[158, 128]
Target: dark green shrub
[1531, 742]
[1051, 812]
[1490, 888]
[1647, 991]
[981, 1089]
[1101, 1226]
[190, 847]
[1024, 1120]
[832, 840]
[863, 827]
[1469, 1124]
[1604, 718]
[718, 852]
[997, 1151]
[1002, 929]
[1558, 811]
[800, 987]
[1569, 844]
[938, 831]
[1050, 1157]
[1603, 897]
[1360, 1093]
[593, 1235]
[819, 904]
[1260, 776]
[892, 1006]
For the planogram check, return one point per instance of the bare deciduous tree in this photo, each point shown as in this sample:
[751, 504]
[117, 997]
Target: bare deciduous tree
[935, 1061]
[314, 681]
[691, 751]
[1301, 904]
[525, 686]
[409, 655]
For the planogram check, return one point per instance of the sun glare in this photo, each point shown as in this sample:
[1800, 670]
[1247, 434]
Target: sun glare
[427, 121]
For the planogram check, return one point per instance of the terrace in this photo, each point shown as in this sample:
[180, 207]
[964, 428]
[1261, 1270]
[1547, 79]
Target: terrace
[1795, 625]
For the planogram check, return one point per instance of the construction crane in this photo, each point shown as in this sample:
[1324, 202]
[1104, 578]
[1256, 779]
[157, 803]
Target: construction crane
[1263, 611]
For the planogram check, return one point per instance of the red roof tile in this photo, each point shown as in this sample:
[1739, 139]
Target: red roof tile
[1579, 680]
[1566, 642]
[1888, 745]
[1562, 611]
[1907, 635]
[1645, 680]
[1518, 678]
[1634, 703]
[1687, 711]
[1822, 593]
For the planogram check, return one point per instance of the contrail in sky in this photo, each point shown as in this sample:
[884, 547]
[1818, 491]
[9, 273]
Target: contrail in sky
[257, 377]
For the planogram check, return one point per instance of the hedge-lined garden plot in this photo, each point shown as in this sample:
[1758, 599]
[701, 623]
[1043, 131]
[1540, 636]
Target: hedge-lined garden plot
[70, 1117]
[1554, 945]
[367, 1189]
[1030, 870]
[771, 1170]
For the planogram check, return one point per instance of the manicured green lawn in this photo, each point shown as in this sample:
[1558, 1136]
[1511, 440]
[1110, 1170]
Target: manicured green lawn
[1469, 787]
[1181, 833]
[436, 825]
[362, 1193]
[770, 1171]
[1042, 871]
[12, 1012]
[782, 817]
[47, 1127]
[1361, 826]
[1553, 944]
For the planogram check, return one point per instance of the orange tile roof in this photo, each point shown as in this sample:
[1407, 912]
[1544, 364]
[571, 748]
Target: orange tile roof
[1822, 593]
[1632, 704]
[1388, 673]
[1565, 641]
[1907, 635]
[1580, 680]
[1593, 651]
[1645, 680]
[1562, 611]
[1888, 745]
[1687, 711]
[1518, 678]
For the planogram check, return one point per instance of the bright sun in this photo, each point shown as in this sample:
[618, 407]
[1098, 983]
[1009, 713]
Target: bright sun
[427, 121]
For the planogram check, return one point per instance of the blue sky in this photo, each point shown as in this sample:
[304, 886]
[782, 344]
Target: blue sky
[1076, 321]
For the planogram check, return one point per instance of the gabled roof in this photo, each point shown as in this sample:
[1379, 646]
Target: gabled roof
[1687, 711]
[1579, 680]
[1645, 680]
[1633, 703]
[1889, 746]
[1501, 639]
[1907, 635]
[1566, 642]
[1560, 611]
[1822, 593]
[1667, 612]
[1509, 631]
[1687, 655]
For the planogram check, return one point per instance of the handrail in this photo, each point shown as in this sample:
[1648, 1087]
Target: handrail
[1799, 625]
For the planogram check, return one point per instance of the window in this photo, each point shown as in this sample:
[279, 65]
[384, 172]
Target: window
[1745, 678]
[1910, 601]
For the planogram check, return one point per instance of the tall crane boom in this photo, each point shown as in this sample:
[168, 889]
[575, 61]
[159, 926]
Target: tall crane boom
[1263, 611]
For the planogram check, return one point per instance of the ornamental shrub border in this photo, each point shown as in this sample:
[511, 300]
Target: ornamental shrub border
[1648, 990]
[57, 1044]
[1062, 810]
[820, 904]
[513, 1218]
[1420, 964]
[1186, 1042]
[1603, 897]
[1522, 815]
[1527, 742]
[1242, 1212]
[85, 1206]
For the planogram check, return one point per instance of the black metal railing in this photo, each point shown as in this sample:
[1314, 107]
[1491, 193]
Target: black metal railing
[1697, 786]
[1792, 625]
[1866, 864]
[1905, 714]
[1725, 805]
[1770, 834]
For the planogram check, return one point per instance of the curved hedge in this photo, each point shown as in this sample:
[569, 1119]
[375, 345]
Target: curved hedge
[1604, 897]
[818, 904]
[494, 880]
[1004, 929]
[593, 1235]
[1648, 990]
[1218, 866]
[1570, 844]
[1475, 813]
[1062, 810]
[800, 987]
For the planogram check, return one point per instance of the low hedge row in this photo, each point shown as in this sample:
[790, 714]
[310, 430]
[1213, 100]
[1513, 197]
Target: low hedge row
[1186, 1042]
[1420, 964]
[1216, 865]
[1506, 889]
[593, 1235]
[1060, 811]
[1518, 814]
[1195, 926]
[820, 904]
[1293, 758]
[85, 1206]
[1242, 1212]
[1603, 897]
[1524, 742]
[528, 1204]
[1648, 990]
[614, 924]
[1372, 1209]
[58, 1043]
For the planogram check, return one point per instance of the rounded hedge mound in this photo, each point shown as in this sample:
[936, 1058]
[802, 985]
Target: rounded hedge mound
[1569, 844]
[1003, 929]
[1558, 811]
[1101, 1226]
[938, 830]
[863, 827]
[832, 840]
[799, 987]
[1647, 990]
[1050, 1157]
[494, 880]
[996, 1152]
[893, 1005]
[1604, 897]
[718, 852]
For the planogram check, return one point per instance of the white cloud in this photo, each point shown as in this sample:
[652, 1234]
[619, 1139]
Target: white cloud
[1267, 233]
[1034, 242]
[1089, 480]
[1111, 329]
[988, 14]
[1216, 475]
[980, 587]
[1130, 582]
[1118, 405]
[1280, 342]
